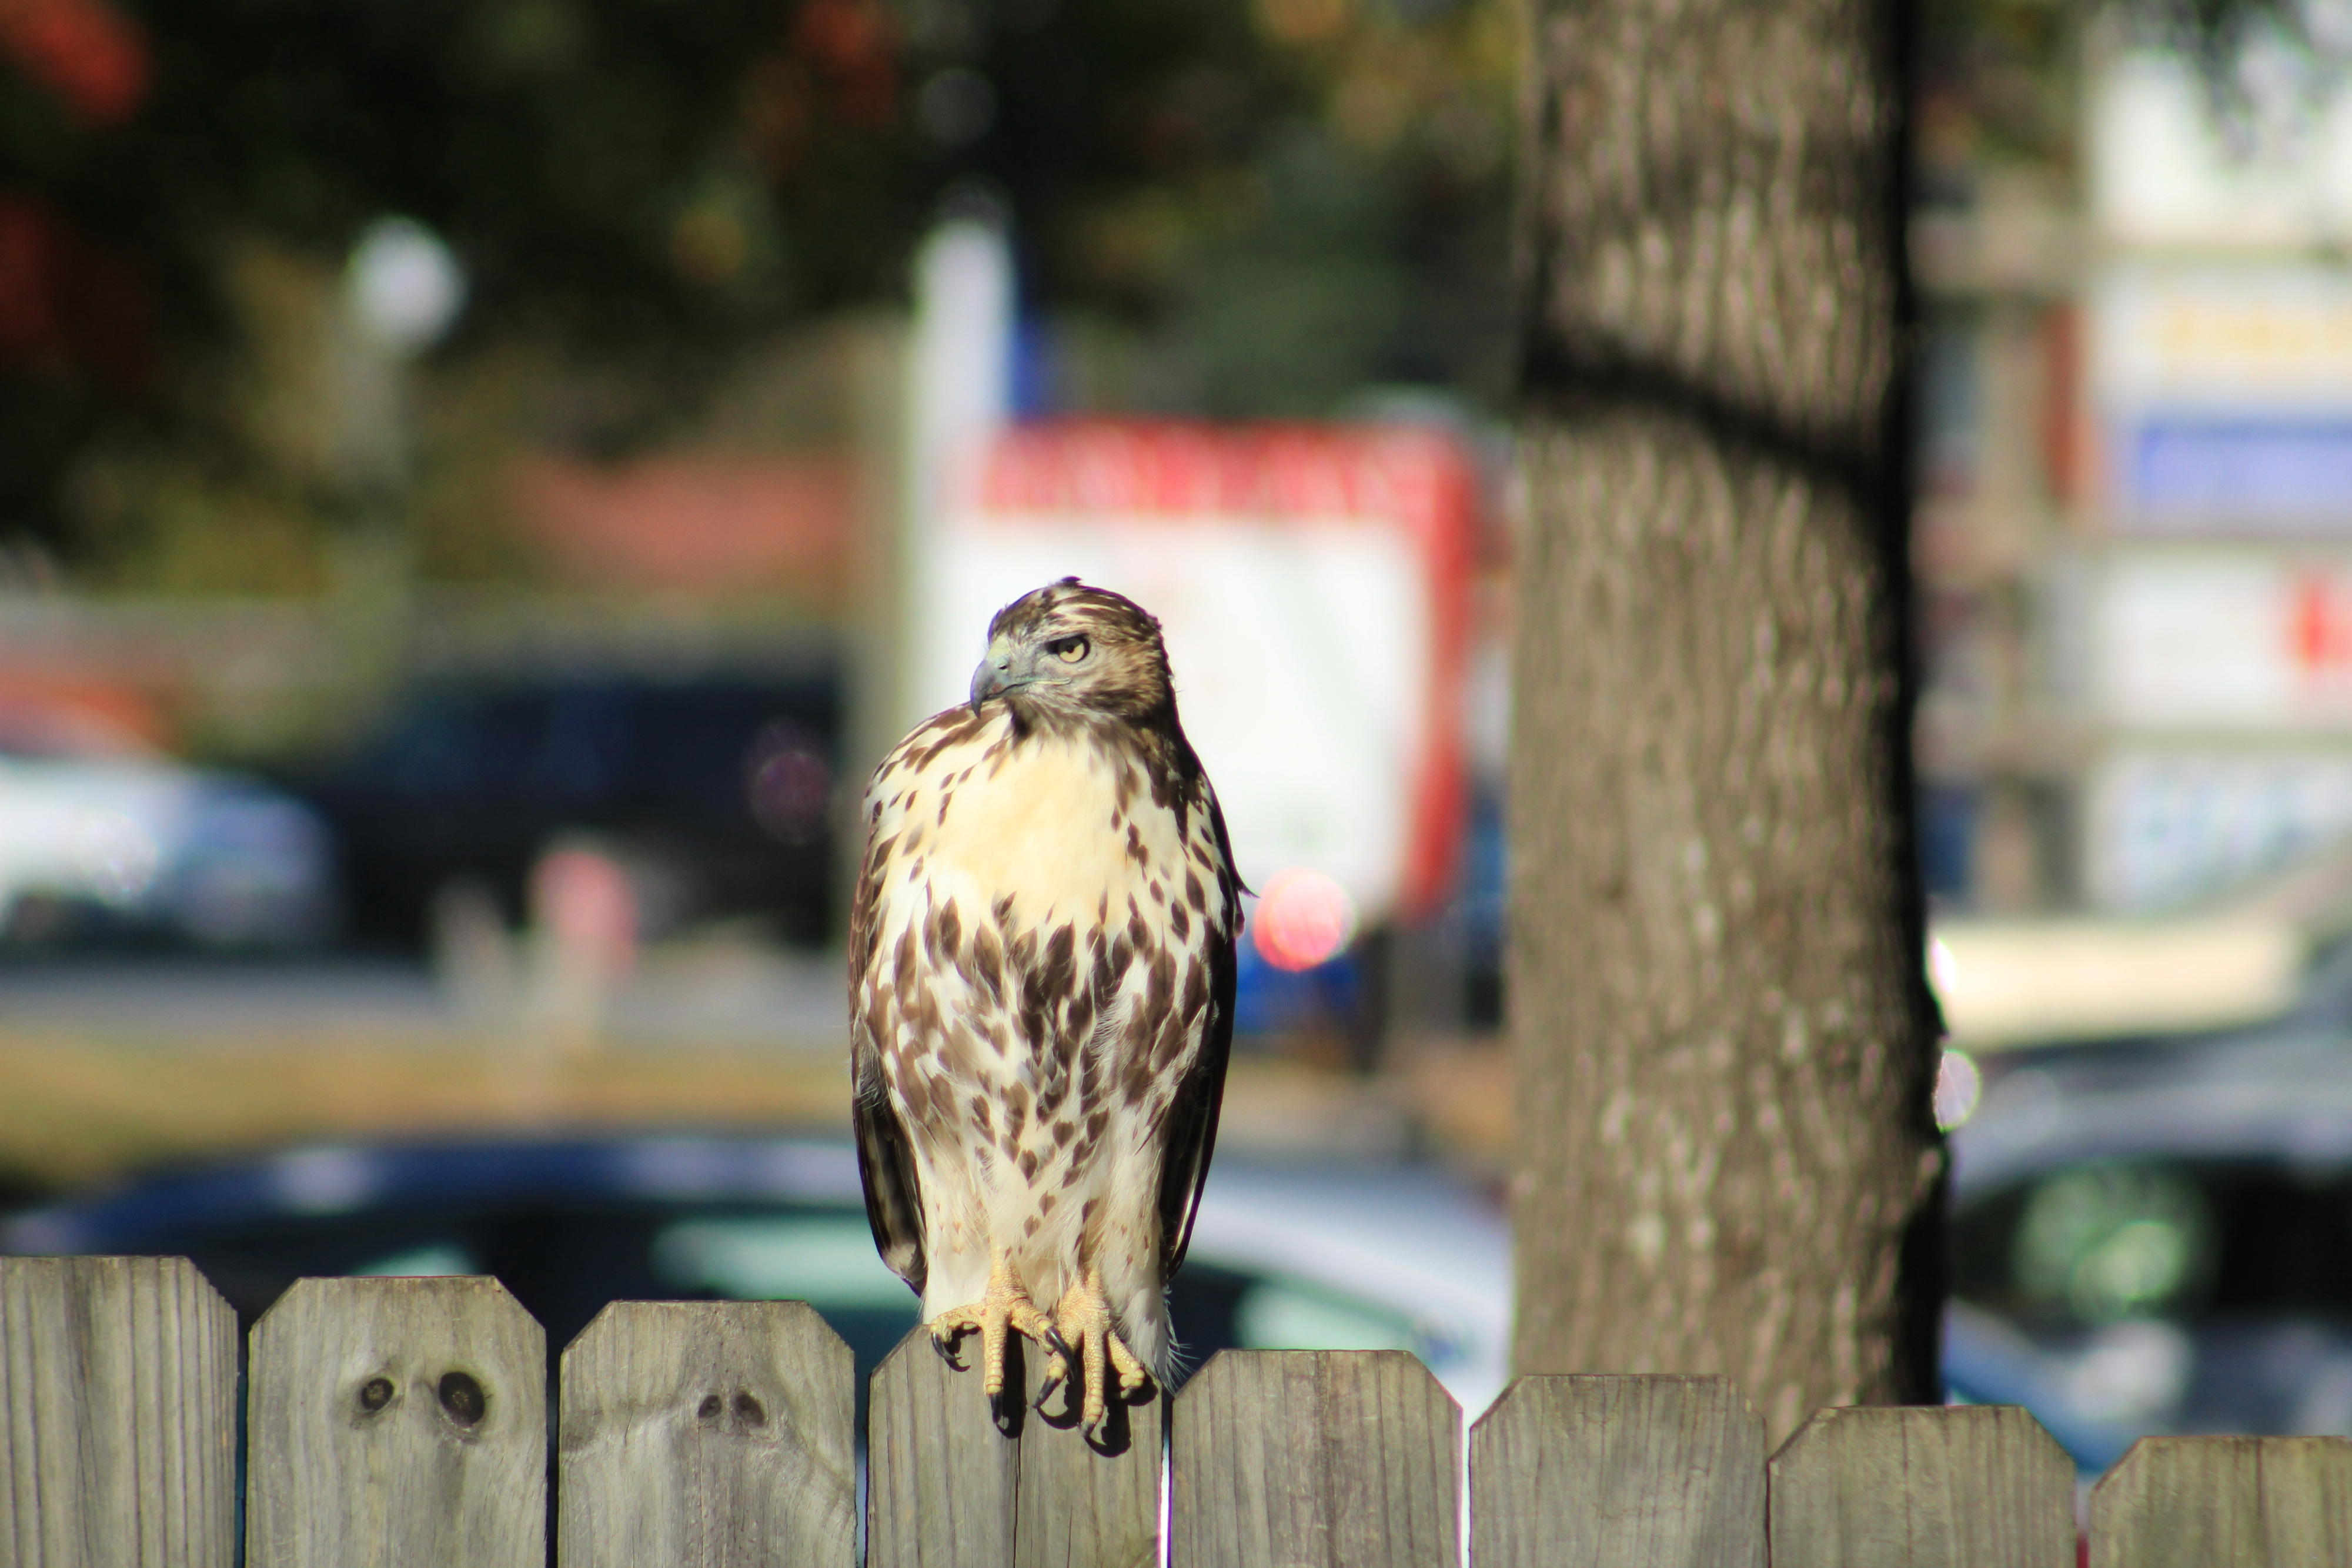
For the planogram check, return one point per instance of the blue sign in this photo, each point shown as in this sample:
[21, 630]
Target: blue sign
[2239, 475]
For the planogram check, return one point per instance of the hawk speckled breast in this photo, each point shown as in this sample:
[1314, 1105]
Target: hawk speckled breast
[1041, 973]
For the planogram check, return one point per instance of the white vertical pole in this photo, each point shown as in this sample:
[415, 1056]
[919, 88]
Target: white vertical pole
[958, 394]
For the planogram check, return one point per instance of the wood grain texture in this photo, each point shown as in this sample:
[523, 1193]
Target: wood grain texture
[117, 1414]
[2226, 1503]
[397, 1423]
[706, 1435]
[1577, 1471]
[947, 1489]
[1344, 1458]
[1972, 1486]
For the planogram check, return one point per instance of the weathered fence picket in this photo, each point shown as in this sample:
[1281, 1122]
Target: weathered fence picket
[947, 1487]
[1282, 1459]
[397, 1422]
[403, 1421]
[1594, 1472]
[706, 1435]
[1973, 1485]
[118, 1410]
[2225, 1502]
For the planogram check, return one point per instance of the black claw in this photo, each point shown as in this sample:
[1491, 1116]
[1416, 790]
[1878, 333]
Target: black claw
[1055, 1342]
[946, 1347]
[1046, 1389]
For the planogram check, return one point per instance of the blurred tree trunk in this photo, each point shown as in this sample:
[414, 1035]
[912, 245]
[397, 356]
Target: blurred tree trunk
[1722, 1037]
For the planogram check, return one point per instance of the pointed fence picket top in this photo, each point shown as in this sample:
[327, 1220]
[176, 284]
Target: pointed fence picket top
[947, 1487]
[1594, 1471]
[2226, 1503]
[1289, 1457]
[117, 1414]
[397, 1421]
[1970, 1486]
[706, 1435]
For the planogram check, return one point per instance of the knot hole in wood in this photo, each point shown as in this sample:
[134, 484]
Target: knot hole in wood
[463, 1399]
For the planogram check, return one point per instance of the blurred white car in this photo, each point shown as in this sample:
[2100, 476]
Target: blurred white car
[98, 829]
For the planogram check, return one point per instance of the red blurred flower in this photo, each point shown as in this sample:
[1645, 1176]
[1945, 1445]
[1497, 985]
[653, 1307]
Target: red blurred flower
[852, 45]
[85, 50]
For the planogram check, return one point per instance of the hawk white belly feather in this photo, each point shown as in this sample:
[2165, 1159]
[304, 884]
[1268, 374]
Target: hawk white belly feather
[978, 826]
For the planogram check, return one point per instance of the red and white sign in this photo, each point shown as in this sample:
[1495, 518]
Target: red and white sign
[1314, 586]
[2226, 640]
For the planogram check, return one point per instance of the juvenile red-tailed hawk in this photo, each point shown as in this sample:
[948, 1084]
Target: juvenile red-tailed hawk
[1040, 974]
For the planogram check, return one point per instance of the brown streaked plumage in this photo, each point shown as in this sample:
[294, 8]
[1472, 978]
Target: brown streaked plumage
[1041, 963]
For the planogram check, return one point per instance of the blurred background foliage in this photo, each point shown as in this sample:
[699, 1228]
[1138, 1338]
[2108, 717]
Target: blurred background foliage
[1230, 207]
[1997, 90]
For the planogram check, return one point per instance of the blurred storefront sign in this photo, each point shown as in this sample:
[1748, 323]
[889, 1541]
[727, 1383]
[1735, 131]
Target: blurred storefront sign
[2224, 675]
[2243, 475]
[2165, 826]
[2218, 359]
[2223, 638]
[2225, 396]
[1313, 585]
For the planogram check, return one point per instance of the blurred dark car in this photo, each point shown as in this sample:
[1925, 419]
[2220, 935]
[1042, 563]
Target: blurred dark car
[2157, 1237]
[1325, 1256]
[715, 795]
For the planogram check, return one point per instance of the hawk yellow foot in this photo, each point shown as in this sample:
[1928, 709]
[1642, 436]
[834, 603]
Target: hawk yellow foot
[1005, 1310]
[1083, 1320]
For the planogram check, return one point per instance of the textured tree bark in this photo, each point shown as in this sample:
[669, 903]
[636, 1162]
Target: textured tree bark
[1723, 1041]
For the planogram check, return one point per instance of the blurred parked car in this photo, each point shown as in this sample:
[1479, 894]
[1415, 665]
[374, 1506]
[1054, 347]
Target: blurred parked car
[2157, 1237]
[714, 793]
[1320, 1256]
[101, 833]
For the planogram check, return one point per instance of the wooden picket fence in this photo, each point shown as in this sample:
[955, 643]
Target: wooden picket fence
[405, 1421]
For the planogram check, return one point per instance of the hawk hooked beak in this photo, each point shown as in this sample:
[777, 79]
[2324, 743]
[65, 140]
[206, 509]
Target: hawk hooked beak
[986, 681]
[995, 675]
[1008, 668]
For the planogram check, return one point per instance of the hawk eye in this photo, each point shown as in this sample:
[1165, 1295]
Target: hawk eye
[1069, 650]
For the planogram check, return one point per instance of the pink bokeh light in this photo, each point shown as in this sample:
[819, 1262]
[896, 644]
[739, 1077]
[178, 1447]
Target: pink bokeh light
[1302, 919]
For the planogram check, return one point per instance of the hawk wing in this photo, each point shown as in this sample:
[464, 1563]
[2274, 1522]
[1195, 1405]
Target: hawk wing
[885, 1157]
[1192, 1117]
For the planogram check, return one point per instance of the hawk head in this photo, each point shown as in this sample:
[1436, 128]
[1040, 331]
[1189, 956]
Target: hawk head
[1066, 648]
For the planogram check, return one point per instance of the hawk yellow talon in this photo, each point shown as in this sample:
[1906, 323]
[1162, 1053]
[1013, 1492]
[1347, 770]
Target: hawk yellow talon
[1084, 1319]
[1004, 1311]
